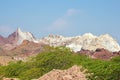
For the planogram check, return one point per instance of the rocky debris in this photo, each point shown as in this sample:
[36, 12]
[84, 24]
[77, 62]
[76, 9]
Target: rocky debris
[73, 73]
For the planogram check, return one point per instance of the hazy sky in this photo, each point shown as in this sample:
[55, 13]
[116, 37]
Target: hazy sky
[64, 17]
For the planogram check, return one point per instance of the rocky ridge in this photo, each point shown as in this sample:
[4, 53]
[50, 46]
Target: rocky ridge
[87, 41]
[19, 36]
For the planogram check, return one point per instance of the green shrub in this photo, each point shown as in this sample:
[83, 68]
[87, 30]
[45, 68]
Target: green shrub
[116, 59]
[31, 73]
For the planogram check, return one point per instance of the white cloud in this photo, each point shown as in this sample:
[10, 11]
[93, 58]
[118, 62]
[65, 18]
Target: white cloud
[62, 22]
[72, 11]
[59, 24]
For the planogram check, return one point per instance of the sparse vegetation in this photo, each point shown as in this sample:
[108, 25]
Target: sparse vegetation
[61, 58]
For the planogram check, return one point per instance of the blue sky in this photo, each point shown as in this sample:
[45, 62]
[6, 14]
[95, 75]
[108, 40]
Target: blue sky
[64, 17]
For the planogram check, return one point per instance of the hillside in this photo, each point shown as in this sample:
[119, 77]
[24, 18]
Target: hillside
[25, 57]
[61, 58]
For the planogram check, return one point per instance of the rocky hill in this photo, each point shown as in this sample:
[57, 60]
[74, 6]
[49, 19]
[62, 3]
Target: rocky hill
[87, 41]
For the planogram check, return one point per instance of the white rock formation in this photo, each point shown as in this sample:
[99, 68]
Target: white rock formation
[87, 41]
[24, 36]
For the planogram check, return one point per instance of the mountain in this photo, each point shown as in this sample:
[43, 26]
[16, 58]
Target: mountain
[18, 37]
[87, 41]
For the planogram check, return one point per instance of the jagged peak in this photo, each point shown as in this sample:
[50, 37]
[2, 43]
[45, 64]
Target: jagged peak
[19, 36]
[18, 30]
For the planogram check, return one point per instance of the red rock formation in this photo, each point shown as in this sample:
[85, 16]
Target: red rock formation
[13, 38]
[102, 54]
[99, 53]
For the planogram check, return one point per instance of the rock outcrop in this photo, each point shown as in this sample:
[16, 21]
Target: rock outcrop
[103, 54]
[19, 36]
[99, 53]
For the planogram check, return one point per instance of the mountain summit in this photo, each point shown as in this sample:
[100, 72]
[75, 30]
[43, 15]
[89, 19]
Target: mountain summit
[19, 36]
